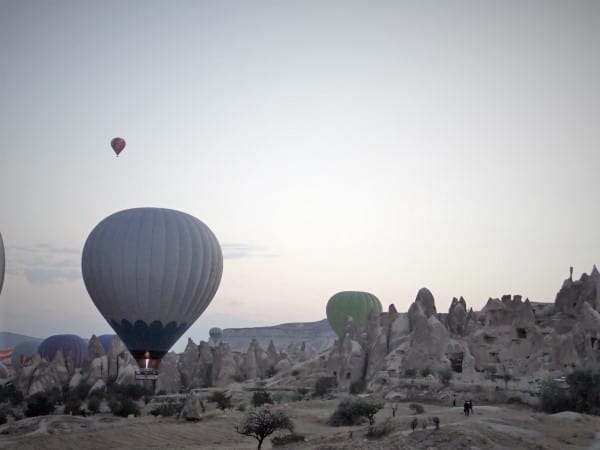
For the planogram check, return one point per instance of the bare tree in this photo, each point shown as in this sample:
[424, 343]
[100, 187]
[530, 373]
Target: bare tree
[260, 423]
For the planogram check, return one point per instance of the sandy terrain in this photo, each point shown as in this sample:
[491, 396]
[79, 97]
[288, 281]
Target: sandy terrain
[493, 427]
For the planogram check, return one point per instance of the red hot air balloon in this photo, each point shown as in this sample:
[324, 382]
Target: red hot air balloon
[118, 144]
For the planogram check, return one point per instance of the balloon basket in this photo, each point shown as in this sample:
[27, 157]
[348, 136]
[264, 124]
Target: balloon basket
[146, 374]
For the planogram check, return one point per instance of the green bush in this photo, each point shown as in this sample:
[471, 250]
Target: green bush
[554, 399]
[93, 404]
[123, 406]
[410, 373]
[279, 441]
[379, 431]
[585, 391]
[445, 374]
[100, 394]
[73, 405]
[131, 391]
[80, 392]
[324, 385]
[241, 407]
[167, 409]
[239, 377]
[39, 404]
[221, 399]
[436, 422]
[354, 411]
[417, 409]
[9, 393]
[582, 394]
[302, 391]
[358, 387]
[261, 397]
[425, 371]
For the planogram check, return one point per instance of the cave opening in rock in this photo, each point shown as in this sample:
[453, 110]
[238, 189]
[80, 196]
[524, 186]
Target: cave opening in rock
[456, 361]
[488, 338]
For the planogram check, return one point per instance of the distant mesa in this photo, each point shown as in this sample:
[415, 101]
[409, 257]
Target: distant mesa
[316, 336]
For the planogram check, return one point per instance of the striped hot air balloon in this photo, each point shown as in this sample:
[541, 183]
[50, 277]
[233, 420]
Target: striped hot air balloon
[5, 353]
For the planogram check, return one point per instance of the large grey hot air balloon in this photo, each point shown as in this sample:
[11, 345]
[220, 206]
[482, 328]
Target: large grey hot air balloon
[151, 272]
[1, 263]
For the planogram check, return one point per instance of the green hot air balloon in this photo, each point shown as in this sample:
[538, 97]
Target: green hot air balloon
[357, 305]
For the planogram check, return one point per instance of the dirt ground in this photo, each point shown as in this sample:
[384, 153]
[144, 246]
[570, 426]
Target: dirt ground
[490, 427]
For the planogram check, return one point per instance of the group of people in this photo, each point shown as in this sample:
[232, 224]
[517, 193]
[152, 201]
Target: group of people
[468, 407]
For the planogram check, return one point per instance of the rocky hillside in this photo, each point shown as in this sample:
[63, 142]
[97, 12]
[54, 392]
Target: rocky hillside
[517, 343]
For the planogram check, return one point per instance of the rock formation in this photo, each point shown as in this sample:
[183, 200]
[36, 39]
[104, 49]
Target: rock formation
[509, 339]
[169, 378]
[515, 341]
[192, 408]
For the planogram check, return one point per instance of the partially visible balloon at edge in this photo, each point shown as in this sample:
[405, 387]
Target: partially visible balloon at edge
[1, 262]
[118, 144]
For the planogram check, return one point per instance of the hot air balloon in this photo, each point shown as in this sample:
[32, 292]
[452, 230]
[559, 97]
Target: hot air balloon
[151, 272]
[106, 340]
[118, 144]
[357, 305]
[215, 333]
[70, 344]
[5, 353]
[1, 263]
[23, 352]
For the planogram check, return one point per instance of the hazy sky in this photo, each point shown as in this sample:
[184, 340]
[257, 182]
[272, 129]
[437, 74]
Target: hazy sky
[330, 145]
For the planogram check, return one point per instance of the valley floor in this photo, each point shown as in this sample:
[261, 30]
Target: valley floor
[490, 427]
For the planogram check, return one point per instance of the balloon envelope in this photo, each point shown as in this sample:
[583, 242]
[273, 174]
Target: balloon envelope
[70, 344]
[24, 351]
[355, 304]
[215, 333]
[151, 272]
[118, 144]
[105, 340]
[1, 263]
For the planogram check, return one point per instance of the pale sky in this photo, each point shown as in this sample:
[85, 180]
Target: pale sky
[380, 146]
